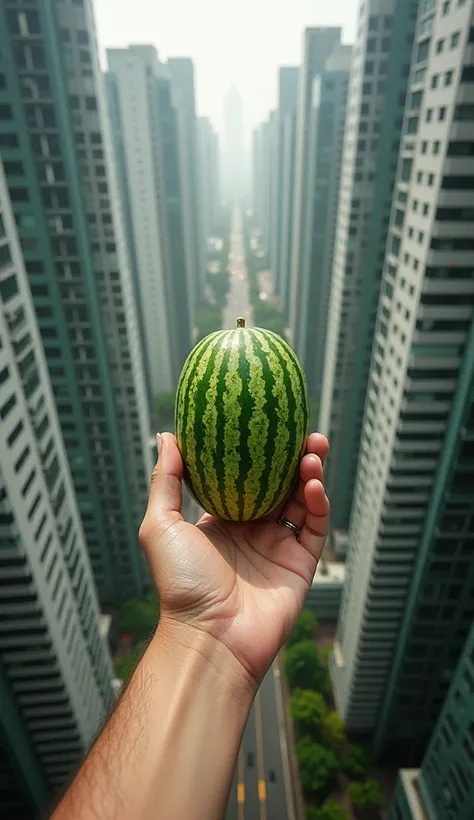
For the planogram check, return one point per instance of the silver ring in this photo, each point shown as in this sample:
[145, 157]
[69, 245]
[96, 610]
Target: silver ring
[294, 529]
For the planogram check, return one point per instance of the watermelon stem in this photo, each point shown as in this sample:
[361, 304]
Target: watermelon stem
[240, 322]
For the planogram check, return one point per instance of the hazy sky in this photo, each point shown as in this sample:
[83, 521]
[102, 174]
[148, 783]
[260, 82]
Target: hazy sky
[241, 42]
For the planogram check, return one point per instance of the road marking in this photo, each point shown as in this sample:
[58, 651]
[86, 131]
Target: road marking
[290, 808]
[240, 786]
[260, 761]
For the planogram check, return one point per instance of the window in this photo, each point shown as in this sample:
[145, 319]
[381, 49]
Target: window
[464, 112]
[454, 39]
[460, 149]
[436, 145]
[425, 209]
[422, 52]
[442, 113]
[424, 147]
[445, 7]
[439, 46]
[429, 114]
[419, 177]
[448, 78]
[430, 179]
[434, 80]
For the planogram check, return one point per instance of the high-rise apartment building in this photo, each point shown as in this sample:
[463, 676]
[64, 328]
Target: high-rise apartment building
[326, 139]
[262, 168]
[233, 148]
[377, 91]
[56, 151]
[318, 43]
[209, 174]
[443, 788]
[287, 103]
[408, 602]
[182, 76]
[146, 126]
[55, 672]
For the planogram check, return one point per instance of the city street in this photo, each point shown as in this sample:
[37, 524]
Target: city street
[261, 788]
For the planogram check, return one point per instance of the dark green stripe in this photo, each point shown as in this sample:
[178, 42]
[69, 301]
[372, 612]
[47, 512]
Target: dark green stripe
[270, 378]
[193, 362]
[220, 427]
[292, 442]
[301, 379]
[198, 430]
[245, 416]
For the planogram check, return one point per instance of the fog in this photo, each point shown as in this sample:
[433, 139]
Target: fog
[230, 43]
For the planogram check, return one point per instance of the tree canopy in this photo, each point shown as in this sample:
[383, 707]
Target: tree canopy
[330, 810]
[304, 628]
[124, 667]
[332, 731]
[366, 795]
[355, 761]
[308, 710]
[304, 669]
[138, 617]
[317, 766]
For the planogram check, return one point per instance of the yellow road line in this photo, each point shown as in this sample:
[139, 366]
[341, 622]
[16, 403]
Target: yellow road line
[240, 786]
[262, 795]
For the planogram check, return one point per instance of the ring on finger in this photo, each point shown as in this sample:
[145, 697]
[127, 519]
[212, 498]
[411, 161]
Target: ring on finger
[289, 524]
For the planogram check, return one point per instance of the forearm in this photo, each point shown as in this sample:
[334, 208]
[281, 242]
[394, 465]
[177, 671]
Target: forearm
[170, 747]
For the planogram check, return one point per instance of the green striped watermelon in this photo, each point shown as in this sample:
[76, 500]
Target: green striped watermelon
[241, 421]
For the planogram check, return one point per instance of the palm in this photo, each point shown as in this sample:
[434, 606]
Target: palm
[245, 583]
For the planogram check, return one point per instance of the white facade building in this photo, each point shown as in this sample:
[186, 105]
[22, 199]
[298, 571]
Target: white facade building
[56, 673]
[134, 69]
[418, 422]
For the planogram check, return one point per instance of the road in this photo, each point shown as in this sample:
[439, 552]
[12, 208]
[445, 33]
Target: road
[254, 796]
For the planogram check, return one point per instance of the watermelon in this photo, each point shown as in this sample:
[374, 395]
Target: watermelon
[241, 420]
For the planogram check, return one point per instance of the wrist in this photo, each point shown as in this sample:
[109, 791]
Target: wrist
[200, 656]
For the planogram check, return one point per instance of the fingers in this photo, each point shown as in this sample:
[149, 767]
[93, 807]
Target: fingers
[166, 480]
[316, 523]
[318, 444]
[310, 468]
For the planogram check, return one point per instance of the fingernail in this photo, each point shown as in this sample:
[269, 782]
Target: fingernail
[158, 443]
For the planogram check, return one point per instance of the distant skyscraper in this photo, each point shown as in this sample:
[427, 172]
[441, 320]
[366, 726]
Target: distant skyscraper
[326, 141]
[287, 102]
[408, 602]
[182, 75]
[233, 148]
[378, 83]
[60, 173]
[318, 44]
[444, 785]
[263, 154]
[55, 670]
[146, 126]
[209, 174]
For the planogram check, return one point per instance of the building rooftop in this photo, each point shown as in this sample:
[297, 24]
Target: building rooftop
[327, 572]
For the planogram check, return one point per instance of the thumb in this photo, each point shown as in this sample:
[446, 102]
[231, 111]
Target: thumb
[166, 480]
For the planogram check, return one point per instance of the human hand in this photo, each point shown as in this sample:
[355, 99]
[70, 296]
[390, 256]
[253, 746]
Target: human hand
[242, 584]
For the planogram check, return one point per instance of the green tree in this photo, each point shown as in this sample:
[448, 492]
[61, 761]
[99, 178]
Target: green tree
[311, 813]
[355, 761]
[330, 810]
[317, 767]
[367, 798]
[332, 731]
[304, 669]
[308, 710]
[139, 617]
[124, 667]
[304, 628]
